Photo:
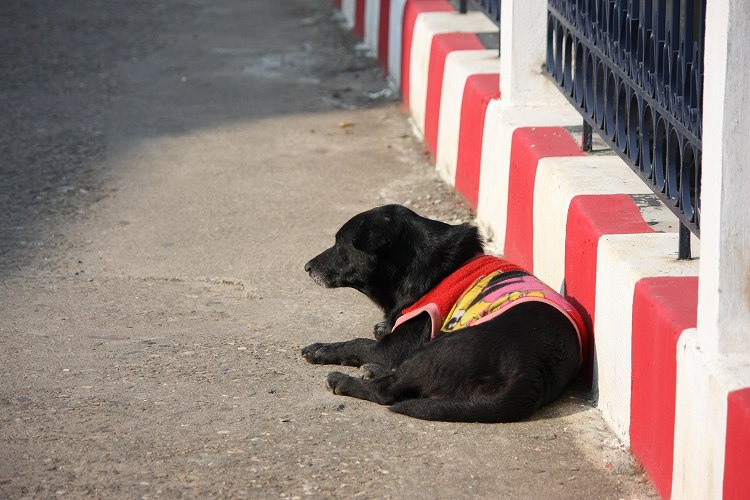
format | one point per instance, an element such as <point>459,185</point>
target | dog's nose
<point>308,267</point>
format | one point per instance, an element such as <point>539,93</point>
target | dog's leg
<point>379,390</point>
<point>354,352</point>
<point>389,352</point>
<point>516,401</point>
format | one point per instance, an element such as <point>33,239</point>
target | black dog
<point>500,368</point>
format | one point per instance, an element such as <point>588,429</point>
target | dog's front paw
<point>317,353</point>
<point>348,353</point>
<point>335,353</point>
<point>335,380</point>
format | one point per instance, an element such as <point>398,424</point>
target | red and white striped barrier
<point>663,307</point>
<point>460,65</point>
<point>427,25</point>
<point>584,224</point>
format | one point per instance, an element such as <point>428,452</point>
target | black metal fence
<point>634,69</point>
<point>490,7</point>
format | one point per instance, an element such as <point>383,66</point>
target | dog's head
<point>357,258</point>
<point>390,254</point>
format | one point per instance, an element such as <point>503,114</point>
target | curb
<point>586,225</point>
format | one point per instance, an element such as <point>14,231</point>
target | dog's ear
<point>372,239</point>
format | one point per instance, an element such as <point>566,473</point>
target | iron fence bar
<point>633,69</point>
<point>662,196</point>
<point>683,252</point>
<point>587,137</point>
<point>490,7</point>
<point>651,101</point>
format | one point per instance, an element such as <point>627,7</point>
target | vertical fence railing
<point>490,7</point>
<point>634,69</point>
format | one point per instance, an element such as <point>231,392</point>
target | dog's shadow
<point>576,399</point>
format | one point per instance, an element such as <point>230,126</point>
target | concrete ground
<point>165,171</point>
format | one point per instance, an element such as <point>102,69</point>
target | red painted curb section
<point>528,146</point>
<point>384,25</point>
<point>662,308</point>
<point>359,19</point>
<point>337,4</point>
<point>590,217</point>
<point>478,92</point>
<point>442,45</point>
<point>412,9</point>
<point>737,455</point>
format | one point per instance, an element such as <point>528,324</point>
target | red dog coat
<point>478,292</point>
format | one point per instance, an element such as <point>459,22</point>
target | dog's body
<point>494,371</point>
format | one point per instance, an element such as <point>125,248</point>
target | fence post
<point>587,137</point>
<point>713,361</point>
<point>724,290</point>
<point>523,35</point>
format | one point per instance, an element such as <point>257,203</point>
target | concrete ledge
<point>442,45</point>
<point>705,382</point>
<point>737,458</point>
<point>499,124</point>
<point>662,309</point>
<point>459,66</point>
<point>349,10</point>
<point>478,92</point>
<point>384,25</point>
<point>622,260</point>
<point>585,224</point>
<point>426,26</point>
<point>528,146</point>
<point>589,218</point>
<point>358,29</point>
<point>395,41</point>
<point>412,12</point>
<point>559,180</point>
<point>371,35</point>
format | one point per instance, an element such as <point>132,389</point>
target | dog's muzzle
<point>316,276</point>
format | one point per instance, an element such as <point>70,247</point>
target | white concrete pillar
<point>724,289</point>
<point>714,359</point>
<point>523,50</point>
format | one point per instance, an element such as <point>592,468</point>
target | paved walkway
<point>166,169</point>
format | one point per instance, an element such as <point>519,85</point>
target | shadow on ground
<point>87,80</point>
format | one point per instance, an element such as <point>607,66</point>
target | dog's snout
<point>308,267</point>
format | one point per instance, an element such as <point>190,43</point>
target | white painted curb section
<point>395,35</point>
<point>372,25</point>
<point>427,25</point>
<point>558,181</point>
<point>459,66</point>
<point>704,382</point>
<point>349,9</point>
<point>622,260</point>
<point>499,123</point>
